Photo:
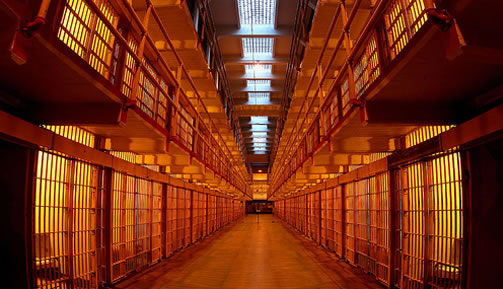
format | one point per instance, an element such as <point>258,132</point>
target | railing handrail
<point>311,81</point>
<point>361,41</point>
<point>165,70</point>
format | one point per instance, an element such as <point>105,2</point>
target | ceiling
<point>254,38</point>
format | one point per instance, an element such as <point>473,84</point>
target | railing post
<point>141,48</point>
<point>108,224</point>
<point>347,45</point>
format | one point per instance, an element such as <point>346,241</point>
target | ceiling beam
<point>257,31</point>
<point>257,110</point>
<point>256,88</point>
<point>257,75</point>
<point>262,59</point>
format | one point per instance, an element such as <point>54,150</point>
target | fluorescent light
<point>257,12</point>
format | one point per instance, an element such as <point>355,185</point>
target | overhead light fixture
<point>258,68</point>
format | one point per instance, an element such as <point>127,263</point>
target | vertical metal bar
<point>392,190</point>
<point>150,256</point>
<point>164,221</point>
<point>191,216</point>
<point>70,195</point>
<point>426,203</point>
<point>467,196</point>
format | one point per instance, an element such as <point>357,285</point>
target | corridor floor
<point>252,253</point>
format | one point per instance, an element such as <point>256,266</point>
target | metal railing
<point>302,27</point>
<point>206,31</point>
<point>362,66</point>
<point>127,56</point>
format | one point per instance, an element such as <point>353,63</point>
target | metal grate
<point>152,97</point>
<point>129,69</point>
<point>156,222</point>
<point>257,69</point>
<point>127,156</point>
<point>403,19</point>
<point>74,133</point>
<point>445,213</point>
<point>180,217</point>
<point>185,128</point>
<point>131,229</point>
<point>257,46</point>
<point>428,222</point>
<point>259,12</point>
<point>171,210</point>
<point>67,223</point>
<point>424,133</point>
<point>362,226</point>
<point>212,214</point>
<point>339,221</point>
<point>350,222</point>
<point>367,68</point>
<point>259,97</point>
<point>379,226</point>
<point>83,32</point>
<point>324,221</point>
<point>187,225</point>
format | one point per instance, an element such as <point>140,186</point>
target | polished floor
<point>255,252</point>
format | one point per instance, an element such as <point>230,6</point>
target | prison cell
<point>212,213</point>
<point>350,222</point>
<point>361,225</point>
<point>426,200</point>
<point>379,225</point>
<point>67,223</point>
<point>323,217</point>
<point>316,216</point>
<point>186,217</point>
<point>402,20</point>
<point>83,32</point>
<point>156,222</point>
<point>330,219</point>
<point>171,219</point>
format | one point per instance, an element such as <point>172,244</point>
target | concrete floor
<point>247,254</point>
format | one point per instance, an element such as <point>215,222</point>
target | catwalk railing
<point>403,224</point>
<point>205,28</point>
<point>114,41</point>
<point>387,31</point>
<point>300,38</point>
<point>93,225</point>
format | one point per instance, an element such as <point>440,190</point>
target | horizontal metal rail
<point>344,105</point>
<point>148,83</point>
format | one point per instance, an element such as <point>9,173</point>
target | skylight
<point>258,68</point>
<point>258,119</point>
<point>259,149</point>
<point>259,127</point>
<point>259,139</point>
<point>259,97</point>
<point>259,144</point>
<point>259,134</point>
<point>257,12</point>
<point>257,46</point>
<point>258,82</point>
